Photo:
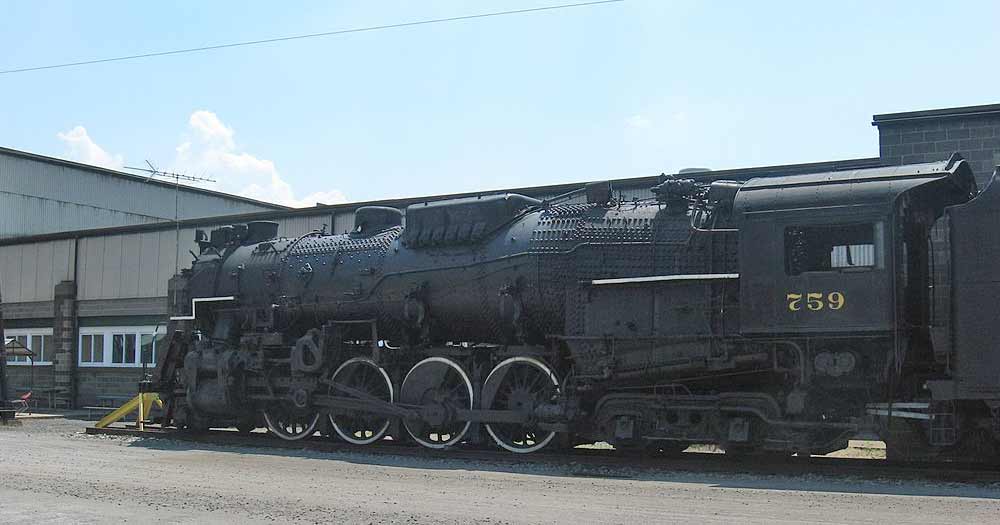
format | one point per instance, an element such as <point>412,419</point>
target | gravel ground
<point>52,473</point>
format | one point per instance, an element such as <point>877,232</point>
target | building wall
<point>131,265</point>
<point>928,136</point>
<point>30,271</point>
<point>23,378</point>
<point>103,386</point>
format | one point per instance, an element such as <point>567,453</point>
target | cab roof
<point>878,187</point>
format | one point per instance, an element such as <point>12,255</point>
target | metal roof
<point>937,114</point>
<point>134,178</point>
<point>871,186</point>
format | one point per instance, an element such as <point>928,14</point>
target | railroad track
<point>600,462</point>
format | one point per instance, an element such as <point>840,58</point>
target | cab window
<point>835,247</point>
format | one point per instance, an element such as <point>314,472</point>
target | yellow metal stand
<point>142,402</point>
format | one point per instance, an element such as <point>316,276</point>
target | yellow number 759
<point>815,301</point>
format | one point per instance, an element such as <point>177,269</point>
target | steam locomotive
<point>776,315</point>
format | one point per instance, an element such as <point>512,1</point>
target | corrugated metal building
<point>41,194</point>
<point>92,301</point>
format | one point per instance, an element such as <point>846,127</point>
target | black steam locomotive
<point>782,314</point>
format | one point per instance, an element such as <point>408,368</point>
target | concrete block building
<point>86,288</point>
<point>923,136</point>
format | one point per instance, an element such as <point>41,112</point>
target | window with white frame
<point>123,349</point>
<point>38,340</point>
<point>120,346</point>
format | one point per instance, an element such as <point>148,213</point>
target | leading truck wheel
<point>291,425</point>
<point>519,384</point>
<point>440,387</point>
<point>363,375</point>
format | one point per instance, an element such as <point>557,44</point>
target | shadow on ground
<point>693,468</point>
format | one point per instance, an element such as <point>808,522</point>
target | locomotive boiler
<point>783,314</point>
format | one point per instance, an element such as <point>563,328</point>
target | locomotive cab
<point>842,252</point>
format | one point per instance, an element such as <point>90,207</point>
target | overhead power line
<point>311,35</point>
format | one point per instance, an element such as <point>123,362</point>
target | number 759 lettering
<point>815,301</point>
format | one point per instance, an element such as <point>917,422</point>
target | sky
<point>616,90</point>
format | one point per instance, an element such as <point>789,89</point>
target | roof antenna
<point>153,171</point>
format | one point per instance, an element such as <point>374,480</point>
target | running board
<point>905,410</point>
<point>194,306</point>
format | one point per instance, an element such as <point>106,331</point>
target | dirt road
<point>51,473</point>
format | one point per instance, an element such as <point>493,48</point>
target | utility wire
<point>311,35</point>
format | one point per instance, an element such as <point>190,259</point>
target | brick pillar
<point>64,336</point>
<point>6,410</point>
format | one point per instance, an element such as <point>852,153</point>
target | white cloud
<point>82,148</point>
<point>211,151</point>
<point>277,190</point>
<point>211,130</point>
<point>638,122</point>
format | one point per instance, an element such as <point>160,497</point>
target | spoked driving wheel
<point>519,384</point>
<point>363,375</point>
<point>441,387</point>
<point>291,424</point>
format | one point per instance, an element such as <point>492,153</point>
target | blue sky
<point>618,90</point>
